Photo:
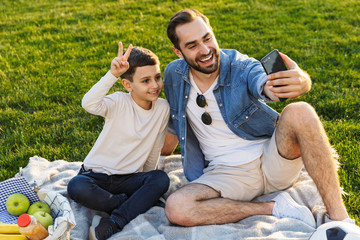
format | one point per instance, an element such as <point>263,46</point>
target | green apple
<point>17,204</point>
<point>44,218</point>
<point>38,206</point>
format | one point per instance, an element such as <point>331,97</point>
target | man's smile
<point>206,59</point>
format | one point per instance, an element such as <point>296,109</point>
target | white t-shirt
<point>132,137</point>
<point>217,142</point>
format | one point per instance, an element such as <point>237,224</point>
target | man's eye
<point>191,46</point>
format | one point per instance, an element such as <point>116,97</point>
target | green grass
<point>52,52</point>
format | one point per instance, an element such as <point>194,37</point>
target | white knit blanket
<point>153,224</point>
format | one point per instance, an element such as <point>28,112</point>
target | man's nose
<point>204,49</point>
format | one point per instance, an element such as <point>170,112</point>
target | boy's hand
<point>119,65</point>
<point>293,83</point>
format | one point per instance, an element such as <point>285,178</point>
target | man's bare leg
<point>197,204</point>
<point>300,132</point>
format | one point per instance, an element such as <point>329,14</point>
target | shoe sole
<point>94,224</point>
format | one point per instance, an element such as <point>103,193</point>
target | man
<point>234,147</point>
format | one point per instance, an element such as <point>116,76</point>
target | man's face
<point>198,46</point>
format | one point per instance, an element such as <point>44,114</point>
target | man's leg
<point>197,204</point>
<point>300,133</point>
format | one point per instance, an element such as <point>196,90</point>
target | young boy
<point>118,176</point>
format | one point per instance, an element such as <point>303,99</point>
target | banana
<point>9,228</point>
<point>12,237</point>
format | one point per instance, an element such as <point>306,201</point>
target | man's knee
<point>299,108</point>
<point>300,113</point>
<point>178,210</point>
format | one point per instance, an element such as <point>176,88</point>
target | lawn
<point>52,52</point>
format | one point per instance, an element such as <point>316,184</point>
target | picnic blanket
<point>153,224</point>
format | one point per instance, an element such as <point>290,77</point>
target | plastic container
<point>30,227</point>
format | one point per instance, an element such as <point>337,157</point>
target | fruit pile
<point>17,204</point>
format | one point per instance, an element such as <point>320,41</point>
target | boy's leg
<point>144,190</point>
<point>89,189</point>
<point>300,132</point>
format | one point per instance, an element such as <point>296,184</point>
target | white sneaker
<point>95,223</point>
<point>348,220</point>
<point>286,207</point>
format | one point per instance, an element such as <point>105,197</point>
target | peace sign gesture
<point>119,65</point>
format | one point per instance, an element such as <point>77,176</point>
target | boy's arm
<point>152,161</point>
<point>95,100</point>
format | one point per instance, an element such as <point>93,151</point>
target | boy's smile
<point>146,85</point>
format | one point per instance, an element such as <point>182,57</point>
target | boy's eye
<point>158,78</point>
<point>146,81</point>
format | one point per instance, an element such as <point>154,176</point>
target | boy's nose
<point>155,84</point>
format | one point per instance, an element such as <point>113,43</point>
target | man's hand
<point>119,65</point>
<point>295,81</point>
<point>170,143</point>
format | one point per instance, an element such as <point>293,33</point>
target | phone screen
<point>273,62</point>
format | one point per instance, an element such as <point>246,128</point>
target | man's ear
<point>177,52</point>
<point>127,84</point>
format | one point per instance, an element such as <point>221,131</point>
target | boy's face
<point>146,85</point>
<point>198,46</point>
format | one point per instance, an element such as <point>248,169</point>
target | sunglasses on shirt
<point>201,102</point>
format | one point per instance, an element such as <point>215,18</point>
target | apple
<point>44,218</point>
<point>38,206</point>
<point>17,204</point>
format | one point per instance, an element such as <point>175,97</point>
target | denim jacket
<point>240,99</point>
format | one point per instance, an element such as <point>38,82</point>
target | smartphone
<point>273,63</point>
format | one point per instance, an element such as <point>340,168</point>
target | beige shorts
<point>268,173</point>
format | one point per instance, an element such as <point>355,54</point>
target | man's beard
<point>207,70</point>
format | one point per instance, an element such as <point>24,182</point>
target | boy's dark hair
<point>182,17</point>
<point>139,57</point>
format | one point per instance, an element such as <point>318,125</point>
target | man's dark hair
<point>139,57</point>
<point>182,17</point>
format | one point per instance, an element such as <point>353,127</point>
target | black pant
<point>105,193</point>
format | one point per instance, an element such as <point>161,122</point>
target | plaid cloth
<point>61,212</point>
<point>10,186</point>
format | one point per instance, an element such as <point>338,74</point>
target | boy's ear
<point>127,84</point>
<point>177,52</point>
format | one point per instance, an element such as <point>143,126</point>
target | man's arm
<point>296,82</point>
<point>171,141</point>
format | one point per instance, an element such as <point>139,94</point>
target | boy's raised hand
<point>119,65</point>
